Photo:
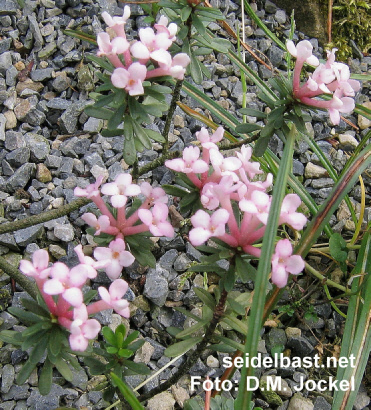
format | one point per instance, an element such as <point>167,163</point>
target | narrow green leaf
<point>191,330</point>
<point>130,154</point>
<point>24,316</point>
<point>154,135</point>
<point>185,13</point>
<point>142,135</point>
<point>127,393</point>
<point>205,297</point>
<point>138,368</point>
<point>109,335</point>
<point>25,372</point>
<point>46,378</point>
<point>102,62</point>
<point>102,113</point>
<point>63,369</point>
<point>174,190</point>
<point>117,117</point>
<point>252,113</point>
<point>11,336</point>
<point>245,128</point>
<point>182,347</point>
<point>34,307</point>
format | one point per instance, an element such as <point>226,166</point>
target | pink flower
<point>90,264</point>
<point>191,162</point>
<point>206,226</point>
<point>153,195</point>
<point>91,190</point>
<point>82,329</point>
<point>209,141</point>
<point>288,215</point>
<point>156,220</point>
<point>251,168</point>
<point>113,297</point>
<point>162,27</point>
<point>120,190</point>
<point>258,205</point>
<point>224,166</point>
<point>302,51</point>
<point>176,67</point>
<point>117,23</point>
<point>284,263</point>
<point>130,79</point>
<point>209,198</point>
<point>116,256</point>
<point>36,269</point>
<point>101,224</point>
<point>150,42</point>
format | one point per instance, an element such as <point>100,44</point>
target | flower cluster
<point>329,78</point>
<point>131,60</point>
<point>150,216</point>
<point>61,289</point>
<point>232,179</point>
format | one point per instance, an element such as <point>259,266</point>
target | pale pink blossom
<point>116,256</point>
<point>39,265</point>
<point>209,198</point>
<point>111,49</point>
<point>258,205</point>
<point>251,168</point>
<point>302,51</point>
<point>101,224</point>
<point>117,23</point>
<point>163,26</point>
<point>120,189</point>
<point>114,297</point>
<point>284,263</point>
<point>153,195</point>
<point>91,190</point>
<point>156,220</point>
<point>176,66</point>
<point>191,162</point>
<point>288,214</point>
<point>130,79</point>
<point>150,42</point>
<point>209,141</point>
<point>206,226</point>
<point>224,166</point>
<point>90,265</point>
<point>82,329</point>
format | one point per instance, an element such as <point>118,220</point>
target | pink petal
<point>181,59</point>
<point>73,296</point>
<point>177,164</point>
<point>201,219</point>
<point>118,201</point>
<point>123,312</point>
<point>219,217</point>
<point>199,166</point>
<point>114,269</point>
<point>27,268</point>
<point>90,219</point>
<point>120,78</point>
<point>104,295</point>
<point>283,248</point>
<point>126,259</point>
<point>53,287</point>
<point>90,328</point>
<point>118,288</point>
<point>137,71</point>
<point>198,236</point>
<point>78,343</point>
<point>166,229</point>
<point>145,215</point>
<point>280,277</point>
<point>101,253</point>
<point>110,189</point>
<point>140,51</point>
<point>295,264</point>
<point>291,48</point>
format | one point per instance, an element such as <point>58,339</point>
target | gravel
<point>48,146</point>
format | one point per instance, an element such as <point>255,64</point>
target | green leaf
<point>102,62</point>
<point>102,113</point>
<point>63,369</point>
<point>112,349</point>
<point>11,336</point>
<point>229,280</point>
<point>142,136</point>
<point>154,135</point>
<point>201,267</point>
<point>130,153</point>
<point>25,317</point>
<point>33,329</point>
<point>244,269</point>
<point>33,339</point>
<point>252,113</point>
<point>185,13</point>
<point>38,351</point>
<point>244,128</point>
<point>138,368</point>
<point>189,331</point>
<point>109,335</point>
<point>169,4</point>
<point>338,248</point>
<point>195,69</point>
<point>182,347</point>
<point>46,378</point>
<point>117,117</point>
<point>96,367</point>
<point>205,297</point>
<point>136,345</point>
<point>261,146</point>
<point>34,307</point>
<point>174,190</point>
<point>221,45</point>
<point>25,372</point>
<point>198,25</point>
<point>125,353</point>
<point>236,324</point>
<point>104,100</point>
<point>127,393</point>
<point>81,36</point>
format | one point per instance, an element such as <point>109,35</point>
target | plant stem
<point>175,98</point>
<point>218,313</point>
<point>19,277</point>
<point>322,278</point>
<point>44,217</point>
<point>264,268</point>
